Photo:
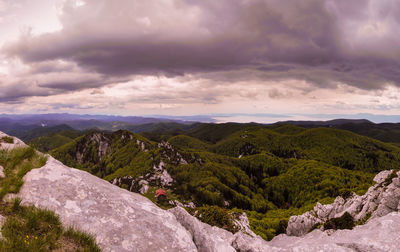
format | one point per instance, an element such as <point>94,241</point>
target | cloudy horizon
<point>187,57</point>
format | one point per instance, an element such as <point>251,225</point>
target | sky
<point>282,59</point>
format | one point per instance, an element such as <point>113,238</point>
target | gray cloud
<point>322,42</point>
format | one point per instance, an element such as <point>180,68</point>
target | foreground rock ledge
<point>120,220</point>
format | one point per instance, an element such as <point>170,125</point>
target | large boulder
<point>120,220</point>
<point>214,239</point>
<point>206,237</point>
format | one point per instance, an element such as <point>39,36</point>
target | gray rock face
<point>214,239</point>
<point>242,222</point>
<point>2,175</point>
<point>379,200</point>
<point>2,221</point>
<point>120,220</point>
<point>206,237</point>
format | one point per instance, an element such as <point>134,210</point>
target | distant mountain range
<point>29,126</point>
<point>19,124</point>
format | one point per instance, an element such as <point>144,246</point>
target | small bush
<point>215,216</point>
<point>282,227</point>
<point>16,205</point>
<point>389,178</point>
<point>7,139</point>
<point>345,193</point>
<point>364,220</point>
<point>345,221</point>
<point>315,226</point>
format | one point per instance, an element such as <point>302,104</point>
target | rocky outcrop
<point>214,239</point>
<point>379,200</point>
<point>379,234</point>
<point>15,144</point>
<point>158,176</point>
<point>120,220</point>
<point>206,237</point>
<point>242,222</point>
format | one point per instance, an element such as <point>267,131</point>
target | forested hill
<point>386,132</point>
<point>270,172</point>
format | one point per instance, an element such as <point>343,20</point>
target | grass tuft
<point>87,242</point>
<point>7,139</point>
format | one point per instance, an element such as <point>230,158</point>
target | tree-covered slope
<point>54,140</point>
<point>212,133</point>
<point>332,146</point>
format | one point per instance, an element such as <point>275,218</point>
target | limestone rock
<point>214,239</point>
<point>144,186</point>
<point>120,220</point>
<point>379,200</point>
<point>206,238</point>
<point>246,243</point>
<point>2,221</point>
<point>2,175</point>
<point>242,222</point>
<point>379,234</point>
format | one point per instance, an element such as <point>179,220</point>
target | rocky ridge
<point>380,200</point>
<point>158,176</point>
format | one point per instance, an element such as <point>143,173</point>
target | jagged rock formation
<point>158,176</point>
<point>379,200</point>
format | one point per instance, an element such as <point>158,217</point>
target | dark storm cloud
<point>317,41</point>
<point>48,84</point>
<point>14,93</point>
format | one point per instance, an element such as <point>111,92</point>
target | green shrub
<point>215,216</point>
<point>345,193</point>
<point>345,221</point>
<point>390,178</point>
<point>315,226</point>
<point>7,139</point>
<point>364,220</point>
